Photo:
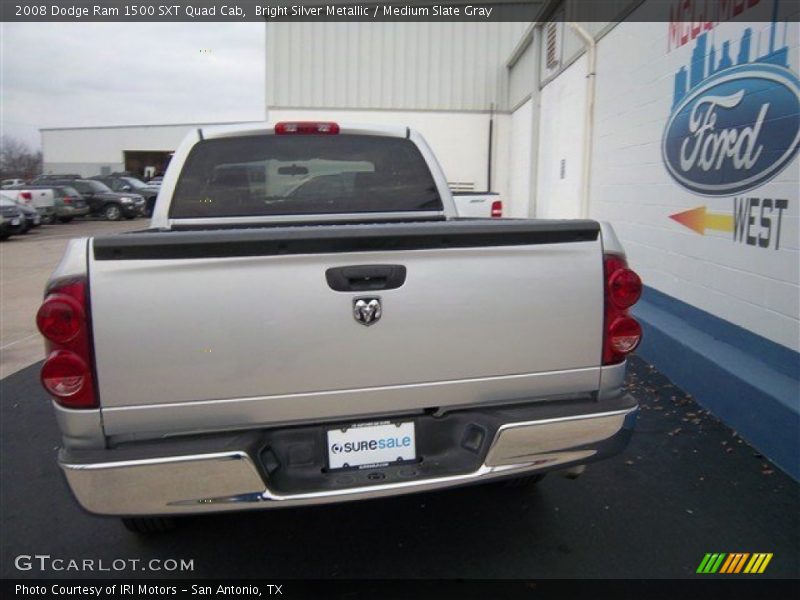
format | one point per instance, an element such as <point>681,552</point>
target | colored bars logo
<point>735,562</point>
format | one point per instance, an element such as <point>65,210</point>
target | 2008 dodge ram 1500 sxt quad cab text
<point>307,321</point>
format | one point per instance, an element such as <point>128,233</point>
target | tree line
<point>18,160</point>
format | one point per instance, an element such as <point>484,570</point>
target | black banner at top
<point>266,10</point>
<point>687,11</point>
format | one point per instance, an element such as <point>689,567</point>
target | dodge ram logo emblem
<point>367,311</point>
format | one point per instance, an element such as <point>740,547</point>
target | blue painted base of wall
<point>747,381</point>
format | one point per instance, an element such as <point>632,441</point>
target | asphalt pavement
<point>686,486</point>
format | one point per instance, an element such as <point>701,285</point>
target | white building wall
<point>750,286</point>
<point>86,150</point>
<point>520,162</point>
<point>561,135</point>
<point>522,139</point>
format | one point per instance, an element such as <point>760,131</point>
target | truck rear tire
<point>149,525</point>
<point>522,482</point>
<point>65,219</point>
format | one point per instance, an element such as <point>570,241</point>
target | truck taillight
<point>306,128</point>
<point>60,318</point>
<point>67,199</point>
<point>624,287</point>
<point>622,333</point>
<point>26,197</point>
<point>65,376</point>
<point>497,209</point>
<point>63,319</point>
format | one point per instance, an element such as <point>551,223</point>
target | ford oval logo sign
<point>735,131</point>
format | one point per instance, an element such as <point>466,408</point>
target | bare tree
<point>18,160</point>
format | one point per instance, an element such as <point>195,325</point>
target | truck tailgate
<point>198,331</point>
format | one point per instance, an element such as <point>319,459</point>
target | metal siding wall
<point>418,66</point>
<point>523,76</point>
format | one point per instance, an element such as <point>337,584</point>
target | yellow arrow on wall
<point>699,220</point>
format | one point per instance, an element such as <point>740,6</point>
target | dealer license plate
<point>368,445</point>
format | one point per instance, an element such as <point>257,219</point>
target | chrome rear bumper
<point>232,480</point>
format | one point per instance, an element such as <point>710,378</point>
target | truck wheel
<point>65,219</point>
<point>522,482</point>
<point>47,220</point>
<point>149,524</point>
<point>112,212</point>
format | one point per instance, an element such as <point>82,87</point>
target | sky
<point>92,74</point>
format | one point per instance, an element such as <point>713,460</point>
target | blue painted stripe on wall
<point>749,382</point>
<point>780,357</point>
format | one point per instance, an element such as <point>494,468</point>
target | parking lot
<point>687,485</point>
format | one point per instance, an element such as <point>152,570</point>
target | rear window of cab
<point>270,175</point>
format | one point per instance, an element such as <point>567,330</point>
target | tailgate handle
<point>360,278</point>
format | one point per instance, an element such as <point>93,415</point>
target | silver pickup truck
<point>307,321</point>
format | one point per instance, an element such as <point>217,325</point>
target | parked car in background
<point>13,221</point>
<point>69,203</point>
<point>127,183</point>
<point>103,201</point>
<point>31,217</point>
<point>39,197</point>
<point>478,204</point>
<point>155,181</point>
<point>11,182</point>
<point>51,177</point>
